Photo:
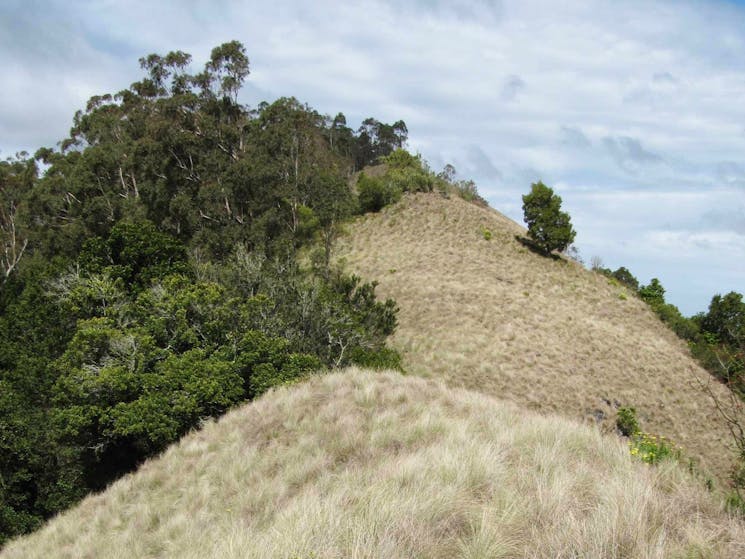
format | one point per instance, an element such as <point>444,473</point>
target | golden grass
<point>548,335</point>
<point>378,465</point>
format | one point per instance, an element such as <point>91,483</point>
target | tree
<point>653,294</point>
<point>377,139</point>
<point>16,178</point>
<point>125,319</point>
<point>548,227</point>
<point>623,275</point>
<point>726,318</point>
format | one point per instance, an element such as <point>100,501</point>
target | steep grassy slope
<point>359,464</point>
<point>549,335</point>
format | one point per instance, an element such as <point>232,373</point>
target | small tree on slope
<point>548,227</point>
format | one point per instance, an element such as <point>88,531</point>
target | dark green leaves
<point>149,278</point>
<point>548,227</point>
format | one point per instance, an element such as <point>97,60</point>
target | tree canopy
<point>548,227</point>
<point>150,278</point>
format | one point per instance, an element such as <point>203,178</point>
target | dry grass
<point>548,335</point>
<point>363,465</point>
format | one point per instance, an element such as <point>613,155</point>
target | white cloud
<point>629,153</point>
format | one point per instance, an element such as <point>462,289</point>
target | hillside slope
<point>360,464</point>
<point>548,335</point>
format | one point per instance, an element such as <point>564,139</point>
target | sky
<point>633,112</point>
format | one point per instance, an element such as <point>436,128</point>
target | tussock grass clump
<point>544,333</point>
<point>363,465</point>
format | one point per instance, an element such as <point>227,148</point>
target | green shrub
<point>379,359</point>
<point>402,159</point>
<point>292,368</point>
<point>467,190</point>
<point>487,234</point>
<point>652,449</point>
<point>627,422</point>
<point>376,193</point>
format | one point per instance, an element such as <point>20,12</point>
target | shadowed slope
<point>546,334</point>
<point>359,464</point>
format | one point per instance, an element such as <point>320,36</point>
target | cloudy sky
<point>633,111</point>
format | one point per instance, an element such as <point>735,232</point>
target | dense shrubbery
<point>404,172</point>
<point>375,193</point>
<point>150,279</point>
<point>626,421</point>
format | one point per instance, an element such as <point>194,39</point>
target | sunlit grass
<point>363,465</point>
<point>546,334</point>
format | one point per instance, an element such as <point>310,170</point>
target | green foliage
<point>16,179</point>
<point>467,190</point>
<point>726,319</point>
<point>380,359</point>
<point>621,276</point>
<point>376,193</point>
<point>548,227</point>
<point>139,254</point>
<point>624,276</point>
<point>295,367</point>
<point>684,327</point>
<point>487,234</point>
<point>652,449</point>
<point>149,278</point>
<point>408,172</point>
<point>405,172</point>
<point>626,421</point>
<point>446,183</point>
<point>377,139</point>
<point>653,294</point>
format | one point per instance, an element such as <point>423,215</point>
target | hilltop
<point>546,334</point>
<point>359,464</point>
<point>175,258</point>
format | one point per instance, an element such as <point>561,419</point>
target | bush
<point>624,276</point>
<point>379,359</point>
<point>627,422</point>
<point>376,193</point>
<point>294,367</point>
<point>653,294</point>
<point>652,449</point>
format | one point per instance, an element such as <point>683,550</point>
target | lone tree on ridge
<point>548,227</point>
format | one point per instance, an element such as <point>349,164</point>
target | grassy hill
<point>360,464</point>
<point>455,464</point>
<point>492,316</point>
